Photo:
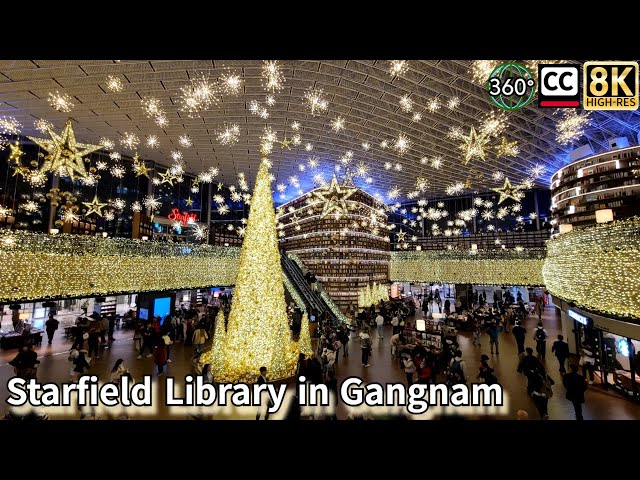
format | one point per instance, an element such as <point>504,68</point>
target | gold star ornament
<point>94,206</point>
<point>285,144</point>
<point>508,191</point>
<point>334,198</point>
<point>474,146</point>
<point>139,167</point>
<point>65,154</point>
<point>167,178</point>
<point>188,202</point>
<point>401,236</point>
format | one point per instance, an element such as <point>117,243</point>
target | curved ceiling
<point>363,92</point>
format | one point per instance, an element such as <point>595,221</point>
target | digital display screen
<point>143,314</point>
<point>162,307</point>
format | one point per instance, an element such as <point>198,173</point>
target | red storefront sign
<point>183,218</point>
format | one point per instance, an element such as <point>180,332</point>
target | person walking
<point>539,308</point>
<point>147,342</point>
<point>541,392</point>
<point>380,325</point>
<point>395,323</point>
<point>262,379</point>
<point>160,356</point>
<point>477,331</point>
<point>561,350</point>
<point>519,332</point>
<point>576,386</point>
<point>494,336</point>
<point>94,343</point>
<point>365,345</point>
<point>118,371</point>
<point>540,335</point>
<point>529,365</point>
<point>112,327</point>
<point>486,372</point>
<point>200,336</point>
<point>456,369</point>
<point>51,326</point>
<point>588,362</point>
<point>80,365</point>
<point>409,369</point>
<point>25,362</point>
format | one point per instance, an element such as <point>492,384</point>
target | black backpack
<point>540,335</point>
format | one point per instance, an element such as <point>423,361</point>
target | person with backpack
<point>576,386</point>
<point>486,372</point>
<point>528,366</point>
<point>519,332</point>
<point>540,335</point>
<point>541,392</point>
<point>561,350</point>
<point>456,369</point>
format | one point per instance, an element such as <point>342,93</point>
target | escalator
<point>312,300</point>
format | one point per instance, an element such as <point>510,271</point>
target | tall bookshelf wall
<point>343,257</point>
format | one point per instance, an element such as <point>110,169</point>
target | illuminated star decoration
<point>167,177</point>
<point>334,198</point>
<point>139,167</point>
<point>188,202</point>
<point>285,144</point>
<point>347,178</point>
<point>94,206</point>
<point>507,149</point>
<point>16,153</point>
<point>65,154</point>
<point>508,191</point>
<point>401,236</point>
<point>474,146</point>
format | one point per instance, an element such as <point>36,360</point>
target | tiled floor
<point>599,404</point>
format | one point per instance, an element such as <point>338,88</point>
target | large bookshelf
<point>605,181</point>
<point>343,257</point>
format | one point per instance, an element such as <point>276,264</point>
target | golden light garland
<point>372,294</point>
<point>499,267</point>
<point>56,266</point>
<point>597,267</point>
<point>258,330</point>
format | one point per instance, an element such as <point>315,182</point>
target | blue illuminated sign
<point>579,318</point>
<point>622,346</point>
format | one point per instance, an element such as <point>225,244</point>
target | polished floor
<point>600,404</point>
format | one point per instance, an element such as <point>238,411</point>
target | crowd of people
<point>419,361</point>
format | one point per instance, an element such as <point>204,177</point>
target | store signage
<point>579,318</point>
<point>183,218</point>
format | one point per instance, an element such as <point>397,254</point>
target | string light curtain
<point>486,267</point>
<point>597,267</point>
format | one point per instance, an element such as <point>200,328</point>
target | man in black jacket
<point>519,332</point>
<point>51,326</point>
<point>561,349</point>
<point>529,365</point>
<point>576,386</point>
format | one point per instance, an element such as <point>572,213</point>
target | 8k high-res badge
<point>610,86</point>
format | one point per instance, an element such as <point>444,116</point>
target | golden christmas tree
<point>304,342</point>
<point>258,328</point>
<point>215,356</point>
